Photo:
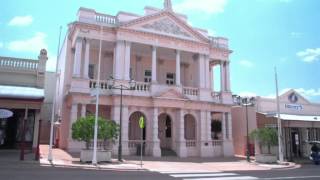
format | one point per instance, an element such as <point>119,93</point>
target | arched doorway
<point>134,129</point>
<point>165,134</point>
<point>189,127</point>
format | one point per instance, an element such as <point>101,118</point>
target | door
<point>165,131</point>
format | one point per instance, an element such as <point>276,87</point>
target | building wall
<point>239,127</point>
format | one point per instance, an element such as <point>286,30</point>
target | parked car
<point>315,154</point>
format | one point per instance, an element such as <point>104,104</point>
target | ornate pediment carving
<point>167,26</point>
<point>171,94</point>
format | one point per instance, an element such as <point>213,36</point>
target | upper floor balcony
<point>154,69</point>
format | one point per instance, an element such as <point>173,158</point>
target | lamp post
<point>121,86</point>
<point>246,101</point>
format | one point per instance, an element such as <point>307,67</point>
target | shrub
<point>265,137</point>
<point>83,129</point>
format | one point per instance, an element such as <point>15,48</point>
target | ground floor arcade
<point>183,129</point>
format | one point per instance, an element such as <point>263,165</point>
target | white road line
<point>203,175</point>
<point>227,178</point>
<point>186,172</point>
<point>296,177</point>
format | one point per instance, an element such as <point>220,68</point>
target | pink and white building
<point>172,64</point>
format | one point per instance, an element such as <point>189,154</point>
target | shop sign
<point>4,113</point>
<point>297,107</point>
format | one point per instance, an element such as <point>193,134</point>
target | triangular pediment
<point>171,94</point>
<point>165,23</point>
<point>293,97</point>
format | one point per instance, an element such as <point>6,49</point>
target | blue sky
<point>262,34</point>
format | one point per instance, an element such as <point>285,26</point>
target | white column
<point>222,76</point>
<point>228,76</point>
<point>125,130</point>
<point>212,78</point>
<point>118,60</point>
<point>182,150</point>
<point>73,117</point>
<point>127,60</point>
<point>201,71</point>
<point>86,60</point>
<point>207,71</point>
<point>83,110</point>
<point>178,83</point>
<point>230,126</point>
<point>202,127</point>
<point>154,64</point>
<point>224,133</point>
<point>156,151</point>
<point>77,58</point>
<point>115,116</point>
<point>208,126</point>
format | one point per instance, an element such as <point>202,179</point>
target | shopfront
<point>300,122</point>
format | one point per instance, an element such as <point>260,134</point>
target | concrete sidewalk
<point>163,164</point>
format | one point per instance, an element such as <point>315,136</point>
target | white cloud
<point>247,94</point>
<point>295,34</point>
<point>307,93</point>
<point>1,44</point>
<point>212,32</point>
<point>309,55</point>
<point>33,44</point>
<point>246,63</point>
<point>203,6</point>
<point>21,21</point>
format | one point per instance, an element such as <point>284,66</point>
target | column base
<point>228,149</point>
<point>182,150</point>
<point>206,150</point>
<point>156,151</point>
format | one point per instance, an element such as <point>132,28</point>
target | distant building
<point>172,64</point>
<point>300,121</point>
<point>22,96</point>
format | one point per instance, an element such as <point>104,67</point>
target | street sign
<point>141,122</point>
<point>4,113</point>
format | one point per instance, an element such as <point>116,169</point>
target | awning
<point>291,117</point>
<point>19,92</point>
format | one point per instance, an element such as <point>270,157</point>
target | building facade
<point>300,122</point>
<point>21,100</point>
<point>172,64</point>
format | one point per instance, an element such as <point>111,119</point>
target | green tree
<point>83,129</point>
<point>265,137</point>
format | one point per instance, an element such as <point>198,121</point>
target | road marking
<point>186,172</point>
<point>227,178</point>
<point>296,177</point>
<point>203,175</point>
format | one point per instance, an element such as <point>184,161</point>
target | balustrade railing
<point>219,42</point>
<point>142,86</point>
<point>18,64</point>
<point>103,84</point>
<point>139,86</point>
<point>104,18</point>
<point>190,91</point>
<point>216,96</point>
<point>217,143</point>
<point>190,143</point>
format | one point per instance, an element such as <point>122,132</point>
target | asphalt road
<point>25,171</point>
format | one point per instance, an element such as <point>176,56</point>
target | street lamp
<point>121,86</point>
<point>246,101</point>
